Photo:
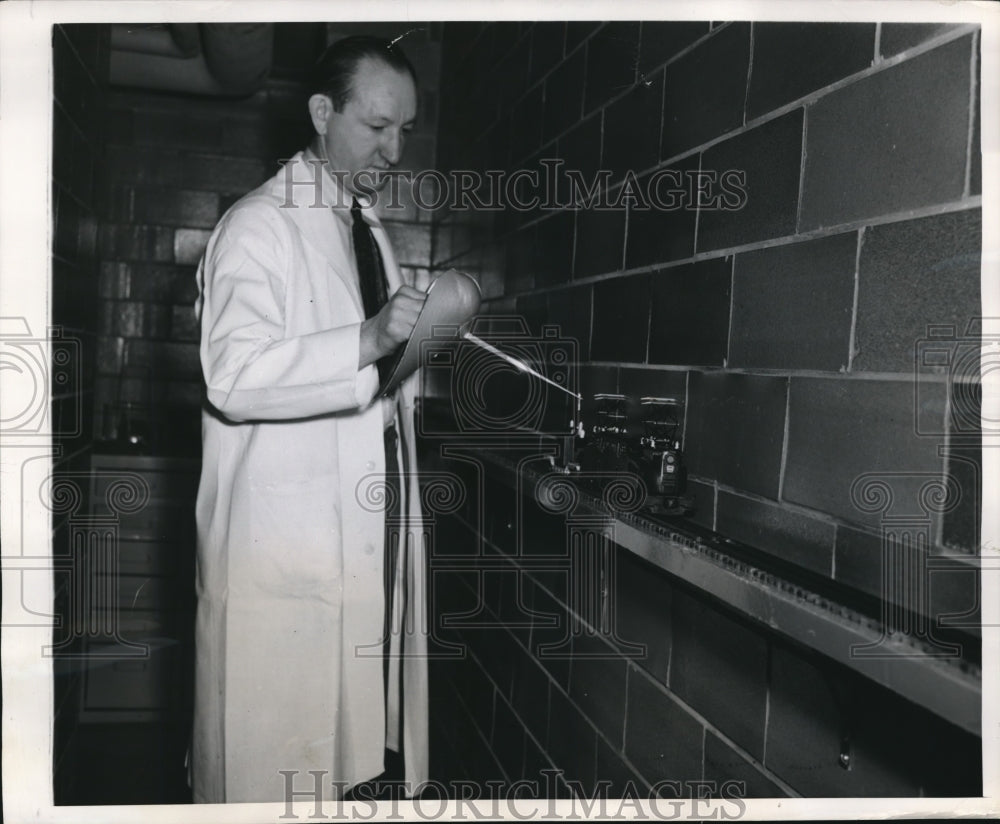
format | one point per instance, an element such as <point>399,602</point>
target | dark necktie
<point>371,274</point>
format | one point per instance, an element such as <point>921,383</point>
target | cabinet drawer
<point>142,592</point>
<point>149,557</point>
<point>118,680</point>
<point>159,523</point>
<point>163,485</point>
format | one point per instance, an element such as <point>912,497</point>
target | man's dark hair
<point>333,74</point>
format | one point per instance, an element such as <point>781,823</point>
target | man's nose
<point>392,146</point>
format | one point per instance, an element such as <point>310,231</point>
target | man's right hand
<point>393,325</point>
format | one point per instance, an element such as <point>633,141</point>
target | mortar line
<point>973,72</point>
<point>852,338</point>
<point>802,169</point>
<point>746,93</point>
<point>784,438</point>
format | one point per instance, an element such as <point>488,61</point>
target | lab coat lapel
<point>311,210</point>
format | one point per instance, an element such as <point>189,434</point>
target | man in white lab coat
<point>291,562</point>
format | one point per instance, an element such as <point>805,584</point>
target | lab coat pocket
<point>296,539</point>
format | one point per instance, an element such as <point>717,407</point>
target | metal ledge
<point>949,688</point>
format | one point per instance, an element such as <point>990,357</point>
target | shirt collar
<point>336,196</point>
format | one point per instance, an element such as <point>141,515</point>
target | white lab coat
<point>290,613</point>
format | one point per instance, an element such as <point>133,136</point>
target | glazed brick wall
<point>680,690</point>
<point>791,327</point>
<point>175,165</point>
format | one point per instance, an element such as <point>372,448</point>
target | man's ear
<point>320,109</point>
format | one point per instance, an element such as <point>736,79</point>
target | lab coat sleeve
<point>254,369</point>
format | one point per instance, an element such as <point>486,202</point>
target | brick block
<point>572,742</point>
<point>110,355</point>
<point>507,741</point>
<point>841,429</point>
<point>162,283</point>
<point>793,59</point>
<point>114,280</point>
<point>662,739</point>
<point>719,667</point>
<point>641,610</point>
<point>814,706</point>
<point>530,697</point>
<point>189,245</point>
<point>616,776</point>
<point>690,313</point>
<point>132,319</point>
<point>661,40</point>
<point>600,241</point>
<point>176,207</point>
<point>860,564</point>
<point>735,428</point>
<point>510,77</point>
<point>477,693</point>
<point>550,633</point>
<point>961,526</point>
<point>411,242</point>
<point>621,319</point>
<point>859,166</point>
<point>611,62</point>
<point>580,149</point>
<point>164,359</point>
<point>898,37</point>
<point>789,536</point>
<point>579,30</point>
<point>770,157</point>
<point>705,90</point>
<point>150,166</point>
<point>570,311</point>
<point>244,138</point>
<point>597,685</point>
<point>520,261</point>
<point>167,129</point>
<point>184,324</point>
<point>665,231</point>
<point>792,305</point>
<point>225,175</point>
<point>526,125</point>
<point>911,275</point>
<point>727,766</point>
<point>150,244</point>
<point>554,238</point>
<point>704,496</point>
<point>632,129</point>
<point>547,41</point>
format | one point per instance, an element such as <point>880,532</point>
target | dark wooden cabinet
<point>123,644</point>
<point>137,567</point>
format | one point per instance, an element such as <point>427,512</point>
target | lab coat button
<point>369,549</point>
<point>370,465</point>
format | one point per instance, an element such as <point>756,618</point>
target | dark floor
<point>124,763</point>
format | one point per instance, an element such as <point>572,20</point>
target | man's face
<point>368,135</point>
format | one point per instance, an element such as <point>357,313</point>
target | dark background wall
<point>789,328</point>
<point>175,164</point>
<point>80,59</point>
